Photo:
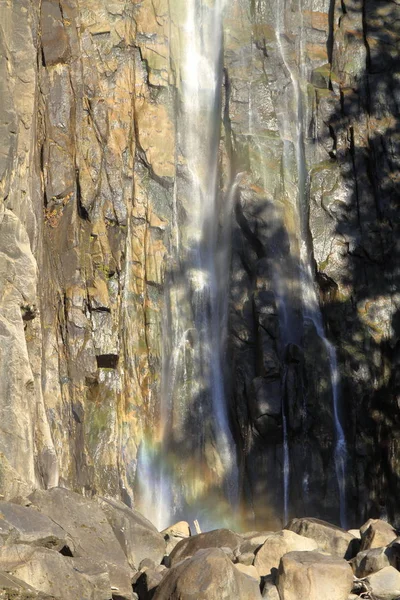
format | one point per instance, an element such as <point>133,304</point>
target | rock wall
<point>88,164</point>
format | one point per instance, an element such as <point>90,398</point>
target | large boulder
<point>208,575</point>
<point>370,561</point>
<point>376,533</point>
<point>138,537</point>
<point>19,524</point>
<point>175,533</point>
<point>331,539</point>
<point>276,545</point>
<point>52,573</point>
<point>90,531</point>
<point>385,584</point>
<point>312,576</point>
<point>219,538</point>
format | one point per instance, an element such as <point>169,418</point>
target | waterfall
<point>311,308</point>
<point>194,421</point>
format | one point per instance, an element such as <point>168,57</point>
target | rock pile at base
<point>58,545</point>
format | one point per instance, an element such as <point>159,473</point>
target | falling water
<point>311,308</point>
<point>193,413</point>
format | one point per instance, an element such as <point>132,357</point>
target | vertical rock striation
<point>90,162</point>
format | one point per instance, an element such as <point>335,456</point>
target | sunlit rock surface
<point>90,161</point>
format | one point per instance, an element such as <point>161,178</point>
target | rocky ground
<point>57,544</point>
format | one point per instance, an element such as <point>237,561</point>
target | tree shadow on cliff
<point>278,382</point>
<point>364,128</point>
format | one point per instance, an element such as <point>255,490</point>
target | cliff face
<point>90,164</point>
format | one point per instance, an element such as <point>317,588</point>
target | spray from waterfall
<point>196,457</point>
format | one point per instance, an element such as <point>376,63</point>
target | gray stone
<point>90,531</point>
<point>208,575</point>
<point>138,537</point>
<point>385,584</point>
<point>19,524</point>
<point>277,545</point>
<point>51,573</point>
<point>370,561</point>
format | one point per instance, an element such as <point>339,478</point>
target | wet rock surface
<point>89,161</point>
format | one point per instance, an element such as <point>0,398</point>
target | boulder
<point>12,588</point>
<point>355,532</point>
<point>219,538</point>
<point>312,576</point>
<point>370,561</point>
<point>253,543</point>
<point>276,545</point>
<point>138,537</point>
<point>208,575</point>
<point>385,584</point>
<point>331,539</point>
<point>54,574</point>
<point>248,570</point>
<point>174,534</point>
<point>19,524</point>
<point>376,533</point>
<point>247,558</point>
<point>90,531</point>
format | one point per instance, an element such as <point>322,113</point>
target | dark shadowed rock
<point>138,537</point>
<point>270,591</point>
<point>331,539</point>
<point>145,583</point>
<point>91,533</point>
<point>51,573</point>
<point>219,538</point>
<point>19,524</point>
<point>312,576</point>
<point>208,575</point>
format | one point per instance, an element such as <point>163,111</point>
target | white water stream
<point>193,414</point>
<point>311,308</point>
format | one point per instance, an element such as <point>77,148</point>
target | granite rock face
<point>89,155</point>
